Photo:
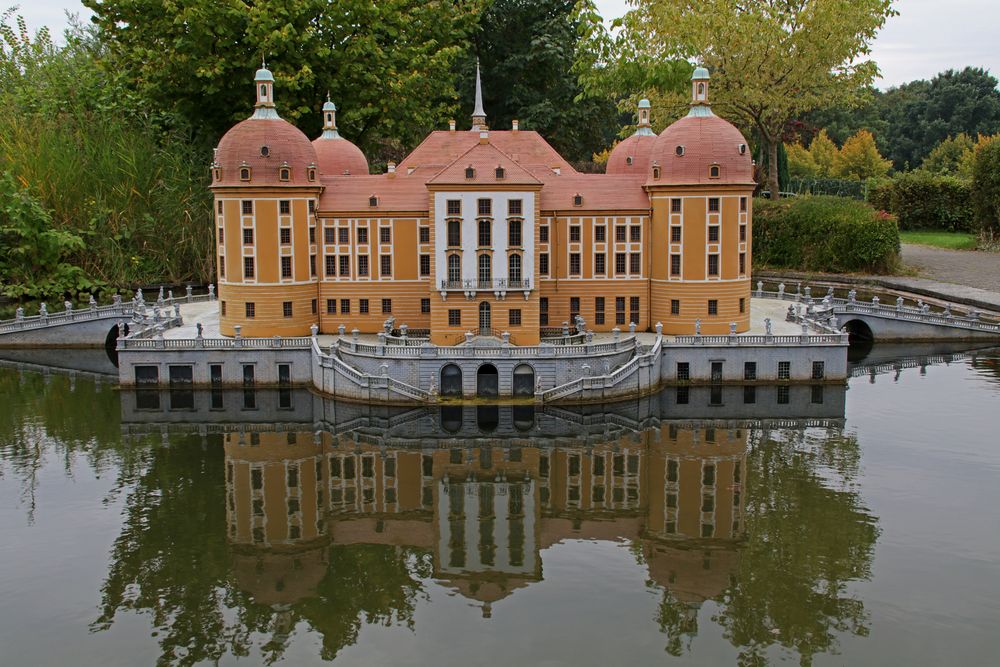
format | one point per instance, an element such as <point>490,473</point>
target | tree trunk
<point>772,167</point>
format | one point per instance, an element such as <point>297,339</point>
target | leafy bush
<point>986,187</point>
<point>922,200</point>
<point>837,187</point>
<point>822,233</point>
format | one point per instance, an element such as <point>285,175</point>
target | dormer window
<point>500,173</point>
<point>577,200</point>
<point>743,149</point>
<point>679,150</point>
<point>217,174</point>
<point>265,151</point>
<point>656,172</point>
<point>312,173</point>
<point>284,174</point>
<point>628,160</point>
<point>470,172</point>
<point>713,171</point>
<point>373,201</point>
<point>245,172</point>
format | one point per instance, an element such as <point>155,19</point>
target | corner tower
<point>265,180</point>
<point>700,184</point>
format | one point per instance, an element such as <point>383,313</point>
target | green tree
<point>986,186</point>
<point>824,153</point>
<point>815,54</point>
<point>388,64</point>
<point>859,158</point>
<point>800,162</point>
<point>526,49</point>
<point>949,156</point>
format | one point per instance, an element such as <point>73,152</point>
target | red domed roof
<point>707,140</point>
<point>338,155</point>
<point>265,145</point>
<point>638,147</point>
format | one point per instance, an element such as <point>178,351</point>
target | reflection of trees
<point>807,537</point>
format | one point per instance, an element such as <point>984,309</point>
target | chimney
<point>451,125</point>
<point>484,137</point>
<point>514,125</point>
<point>392,168</point>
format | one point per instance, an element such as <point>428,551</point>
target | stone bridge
<point>91,326</point>
<point>874,321</point>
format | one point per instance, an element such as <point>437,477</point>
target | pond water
<point>823,525</point>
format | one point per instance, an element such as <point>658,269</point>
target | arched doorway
<point>858,331</point>
<point>487,417</point>
<point>487,381</point>
<point>524,381</point>
<point>451,418</point>
<point>451,381</point>
<point>485,319</point>
<point>111,343</point>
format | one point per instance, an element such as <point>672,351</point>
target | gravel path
<point>961,267</point>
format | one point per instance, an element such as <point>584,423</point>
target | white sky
<point>927,37</point>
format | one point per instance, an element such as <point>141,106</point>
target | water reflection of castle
<point>486,512</point>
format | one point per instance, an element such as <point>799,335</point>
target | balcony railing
<point>470,284</point>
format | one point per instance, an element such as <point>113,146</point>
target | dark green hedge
<point>922,200</point>
<point>840,187</point>
<point>822,233</point>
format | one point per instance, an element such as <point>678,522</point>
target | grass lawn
<point>939,239</point>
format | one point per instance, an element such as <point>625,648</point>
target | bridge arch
<point>859,331</point>
<point>111,342</point>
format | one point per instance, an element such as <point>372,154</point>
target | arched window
<point>713,171</point>
<point>263,92</point>
<point>373,201</point>
<point>451,381</point>
<point>485,270</point>
<point>524,380</point>
<point>470,172</point>
<point>485,322</point>
<point>312,174</point>
<point>329,118</point>
<point>285,174</point>
<point>701,91</point>
<point>514,270</point>
<point>244,173</point>
<point>500,173</point>
<point>485,233</point>
<point>454,269</point>
<point>656,173</point>
<point>577,200</point>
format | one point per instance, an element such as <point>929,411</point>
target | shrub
<point>986,186</point>
<point>837,187</point>
<point>922,200</point>
<point>822,233</point>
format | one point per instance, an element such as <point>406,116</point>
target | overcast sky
<point>927,37</point>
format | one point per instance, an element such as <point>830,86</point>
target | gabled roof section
<point>526,147</point>
<point>485,159</point>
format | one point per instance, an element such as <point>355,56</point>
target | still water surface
<point>818,525</point>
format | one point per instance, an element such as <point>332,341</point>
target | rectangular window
<point>675,234</point>
<point>312,235</point>
<point>286,267</point>
<point>675,265</point>
<point>345,265</point>
<point>485,233</point>
<point>247,236</point>
<point>543,234</point>
<point>284,207</point>
<point>331,265</point>
<point>248,375</point>
<point>543,263</point>
<point>743,305</point>
<point>749,394</point>
<point>454,233</point>
<point>286,308</point>
<point>425,306</point>
<point>574,233</point>
<point>514,317</point>
<point>619,263</point>
<point>713,204</point>
<point>331,306</point>
<point>387,306</point>
<point>743,233</point>
<point>713,265</point>
<point>675,306</point>
<point>454,207</point>
<point>713,307</point>
<point>312,265</point>
<point>285,235</point>
<point>598,310</point>
<point>248,267</point>
<point>285,377</point>
<point>222,305</point>
<point>215,374</point>
<point>222,266</point>
<point>425,265</point>
<point>750,370</point>
<point>220,206</point>
<point>514,233</point>
<point>222,235</point>
<point>454,317</point>
<point>819,370</point>
<point>635,263</point>
<point>543,311</point>
<point>345,306</point>
<point>635,233</point>
<point>574,308</point>
<point>600,233</point>
<point>247,206</point>
<point>619,310</point>
<point>784,370</point>
<point>385,234</point>
<point>574,264</point>
<point>425,234</point>
<point>675,205</point>
<point>514,207</point>
<point>329,235</point>
<point>620,233</point>
<point>743,203</point>
<point>363,265</point>
<point>362,235</point>
<point>484,207</point>
<point>251,310</point>
<point>783,394</point>
<point>633,309</point>
<point>713,233</point>
<point>599,267</point>
<point>343,235</point>
<point>385,265</point>
<point>312,206</point>
<point>363,306</point>
<point>683,370</point>
<point>743,262</point>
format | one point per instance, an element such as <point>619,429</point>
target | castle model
<point>483,231</point>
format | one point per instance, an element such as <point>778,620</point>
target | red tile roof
<point>484,159</point>
<point>525,147</point>
<point>339,155</point>
<point>638,147</point>
<point>285,143</point>
<point>707,140</point>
